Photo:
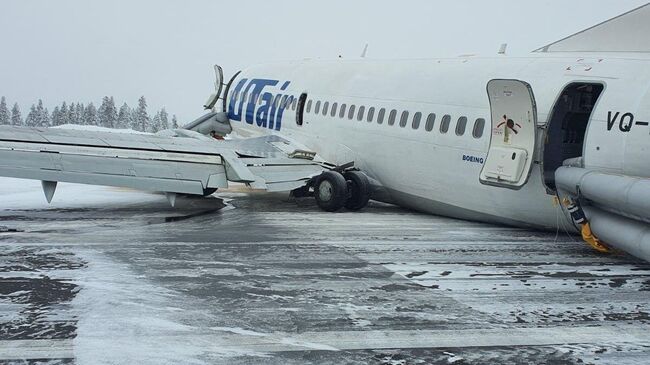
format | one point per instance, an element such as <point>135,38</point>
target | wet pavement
<point>105,276</point>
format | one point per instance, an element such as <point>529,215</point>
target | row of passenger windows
<point>391,117</point>
<point>372,114</point>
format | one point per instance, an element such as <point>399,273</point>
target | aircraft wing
<point>177,161</point>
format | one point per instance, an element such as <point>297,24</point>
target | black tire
<point>359,190</point>
<point>209,191</point>
<point>331,191</point>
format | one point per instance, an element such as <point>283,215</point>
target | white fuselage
<point>438,172</point>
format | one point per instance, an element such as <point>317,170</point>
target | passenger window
<point>461,126</point>
<point>317,108</point>
<point>444,125</point>
<point>362,111</point>
<point>392,116</point>
<point>381,115</point>
<point>351,112</point>
<point>479,125</point>
<point>308,110</point>
<point>326,107</point>
<point>431,120</point>
<point>334,107</point>
<point>371,114</point>
<point>342,112</point>
<point>300,115</point>
<point>417,118</point>
<point>404,119</point>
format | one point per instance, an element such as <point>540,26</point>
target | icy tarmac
<point>110,276</point>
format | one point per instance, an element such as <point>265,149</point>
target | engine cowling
<point>216,122</point>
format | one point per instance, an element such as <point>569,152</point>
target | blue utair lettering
<point>234,111</point>
<point>475,159</point>
<point>243,106</point>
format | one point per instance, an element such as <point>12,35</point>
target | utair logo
<point>255,105</point>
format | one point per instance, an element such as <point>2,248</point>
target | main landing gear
<point>334,190</point>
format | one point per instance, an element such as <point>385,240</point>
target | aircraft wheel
<point>359,190</point>
<point>331,191</point>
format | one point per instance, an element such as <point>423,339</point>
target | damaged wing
<point>175,161</point>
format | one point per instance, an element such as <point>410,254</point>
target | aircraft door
<point>512,142</point>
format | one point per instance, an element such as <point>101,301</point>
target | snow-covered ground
<point>16,194</point>
<point>114,276</point>
<point>98,129</point>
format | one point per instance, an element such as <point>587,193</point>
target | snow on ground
<point>18,194</point>
<point>115,276</point>
<point>94,128</point>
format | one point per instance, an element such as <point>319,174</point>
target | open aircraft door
<point>512,143</point>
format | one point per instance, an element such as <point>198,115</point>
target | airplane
<point>556,139</point>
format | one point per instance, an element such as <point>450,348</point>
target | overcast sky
<point>81,50</point>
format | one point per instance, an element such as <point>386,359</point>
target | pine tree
<point>42,116</point>
<point>133,120</point>
<point>39,118</point>
<point>56,116</point>
<point>77,117</point>
<point>174,122</point>
<point>164,119</point>
<point>46,120</point>
<point>90,115</point>
<point>112,112</point>
<point>124,117</point>
<point>107,113</point>
<point>32,117</point>
<point>155,123</point>
<point>141,116</point>
<point>64,117</point>
<point>5,118</point>
<point>16,117</point>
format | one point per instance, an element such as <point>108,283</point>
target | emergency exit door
<point>512,143</point>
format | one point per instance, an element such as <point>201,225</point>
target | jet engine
<point>211,123</point>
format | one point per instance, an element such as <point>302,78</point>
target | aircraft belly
<point>541,218</point>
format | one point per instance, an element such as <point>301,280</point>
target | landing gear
<point>359,190</point>
<point>331,191</point>
<point>334,190</point>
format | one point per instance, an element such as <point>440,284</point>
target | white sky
<point>80,50</point>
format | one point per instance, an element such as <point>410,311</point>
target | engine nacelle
<point>216,122</point>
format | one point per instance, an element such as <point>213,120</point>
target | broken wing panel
<point>282,174</point>
<point>185,162</point>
